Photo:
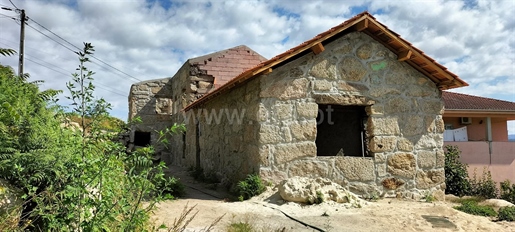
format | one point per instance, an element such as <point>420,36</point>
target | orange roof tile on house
<point>363,22</point>
<point>459,101</point>
<point>227,64</point>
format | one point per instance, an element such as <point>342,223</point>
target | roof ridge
<point>475,96</point>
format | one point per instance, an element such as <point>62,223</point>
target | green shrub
<point>169,187</point>
<point>471,207</point>
<point>508,191</point>
<point>240,227</point>
<point>456,176</point>
<point>484,187</point>
<point>507,213</point>
<point>251,186</point>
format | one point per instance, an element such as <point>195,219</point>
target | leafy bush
<point>456,176</point>
<point>169,187</point>
<point>471,207</point>
<point>507,213</point>
<point>72,180</point>
<point>251,186</point>
<point>484,187</point>
<point>508,191</point>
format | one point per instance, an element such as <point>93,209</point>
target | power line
<point>99,85</point>
<point>13,4</point>
<point>101,61</point>
<point>51,38</point>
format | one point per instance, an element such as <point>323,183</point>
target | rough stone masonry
<point>277,135</point>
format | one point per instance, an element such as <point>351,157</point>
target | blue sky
<point>152,39</point>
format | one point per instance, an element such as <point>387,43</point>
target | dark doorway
<point>141,139</point>
<point>341,130</point>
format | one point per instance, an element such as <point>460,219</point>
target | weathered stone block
<point>341,99</point>
<point>264,155</point>
<point>284,153</point>
<point>426,159</point>
<point>322,85</point>
<point>392,183</point>
<point>304,130</point>
<point>376,110</point>
<point>380,158</point>
<point>283,111</point>
<point>382,144</point>
<point>352,69</point>
<point>417,91</point>
<point>269,134</point>
<point>273,176</point>
<point>439,124</point>
<point>382,91</point>
<point>285,89</point>
<point>402,164</point>
<point>204,85</point>
<point>429,141</point>
<point>356,168</point>
<point>398,105</point>
<point>287,134</point>
<point>308,168</point>
<point>364,52</point>
<point>262,113</point>
<point>323,68</point>
<point>430,178</point>
<point>362,189</point>
<point>383,126</point>
<point>381,169</point>
<point>403,144</point>
<point>440,159</point>
<point>431,106</point>
<point>307,109</point>
<point>412,125</point>
<point>352,87</point>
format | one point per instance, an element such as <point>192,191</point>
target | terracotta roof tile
<point>459,101</point>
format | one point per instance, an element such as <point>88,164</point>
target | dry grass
<point>181,223</point>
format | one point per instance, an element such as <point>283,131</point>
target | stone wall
<point>224,143</point>
<point>403,131</point>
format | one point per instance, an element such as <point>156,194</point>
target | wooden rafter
<point>318,48</point>
<point>362,25</point>
<point>404,55</point>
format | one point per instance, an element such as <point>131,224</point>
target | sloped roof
<point>227,64</point>
<point>365,23</point>
<point>459,101</point>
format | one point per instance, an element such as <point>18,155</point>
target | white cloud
<point>151,39</point>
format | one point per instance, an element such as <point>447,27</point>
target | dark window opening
<point>341,130</point>
<point>141,139</point>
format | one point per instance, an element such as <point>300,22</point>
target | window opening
<point>141,139</point>
<point>341,130</point>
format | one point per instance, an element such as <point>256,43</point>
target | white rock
<point>307,190</point>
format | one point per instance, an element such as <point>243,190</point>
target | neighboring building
<point>483,123</point>
<point>356,104</point>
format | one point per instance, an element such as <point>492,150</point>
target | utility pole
<point>22,39</point>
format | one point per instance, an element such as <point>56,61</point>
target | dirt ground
<point>267,213</point>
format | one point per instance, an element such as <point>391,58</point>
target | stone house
<point>356,104</point>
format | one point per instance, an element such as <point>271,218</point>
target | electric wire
<point>94,57</point>
<point>13,4</point>
<point>39,62</point>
